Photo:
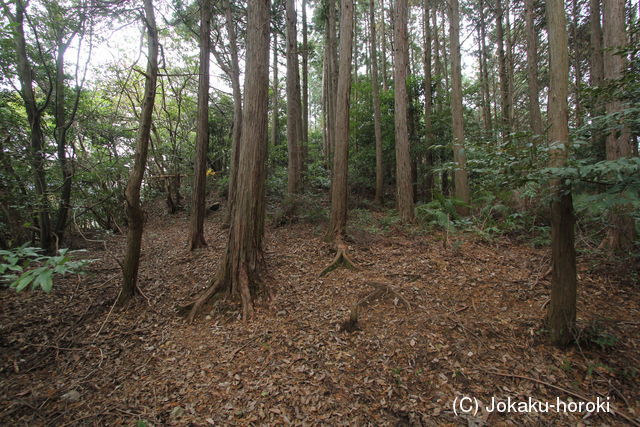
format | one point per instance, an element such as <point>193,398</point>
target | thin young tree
<point>339,184</point>
<point>596,70</point>
<point>621,231</point>
<point>502,72</point>
<point>197,239</point>
<point>135,214</point>
<point>404,190</point>
<point>461,180</point>
<point>535,117</point>
<point>561,315</point>
<point>375,94</point>
<point>240,271</point>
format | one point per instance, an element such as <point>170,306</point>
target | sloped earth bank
<point>473,329</point>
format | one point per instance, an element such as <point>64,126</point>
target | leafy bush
<point>27,266</point>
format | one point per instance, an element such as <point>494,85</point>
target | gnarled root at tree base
<point>233,278</point>
<point>342,259</point>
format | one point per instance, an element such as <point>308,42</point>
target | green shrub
<point>27,266</point>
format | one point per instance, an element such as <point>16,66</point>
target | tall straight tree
<point>202,132</point>
<point>596,69</point>
<point>339,183</point>
<point>461,180</point>
<point>621,231</point>
<point>561,316</point>
<point>276,93</point>
<point>535,117</point>
<point>502,72</point>
<point>294,110</point>
<point>428,101</point>
<point>241,268</point>
<point>305,82</point>
<point>233,71</point>
<point>404,190</point>
<point>375,94</point>
<point>34,116</point>
<point>331,76</point>
<point>484,70</point>
<point>135,215</point>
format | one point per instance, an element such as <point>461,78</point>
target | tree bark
<point>135,215</point>
<point>561,316</point>
<point>404,191</point>
<point>34,117</point>
<point>486,107</point>
<point>234,76</point>
<point>461,181</point>
<point>305,85</point>
<point>535,117</point>
<point>502,71</point>
<point>377,116</point>
<point>577,62</point>
<point>274,102</point>
<point>596,72</point>
<point>509,63</point>
<point>621,231</point>
<point>60,135</point>
<point>294,111</point>
<point>202,132</point>
<point>240,271</point>
<point>339,184</point>
<point>332,76</point>
<point>383,43</point>
<point>428,102</point>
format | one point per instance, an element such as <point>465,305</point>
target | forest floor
<point>473,328</point>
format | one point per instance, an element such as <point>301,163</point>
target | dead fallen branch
<point>380,290</point>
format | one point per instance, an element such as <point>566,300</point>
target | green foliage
<point>595,334</point>
<point>24,266</point>
<point>440,213</point>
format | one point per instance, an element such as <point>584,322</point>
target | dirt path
<point>475,319</point>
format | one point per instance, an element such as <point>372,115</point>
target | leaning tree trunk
<point>202,133</point>
<point>339,184</point>
<point>621,231</point>
<point>375,93</point>
<point>561,316</point>
<point>404,191</point>
<point>135,215</point>
<point>461,180</point>
<point>240,270</point>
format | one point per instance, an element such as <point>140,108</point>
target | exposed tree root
<point>342,259</point>
<point>194,307</point>
<point>380,290</point>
